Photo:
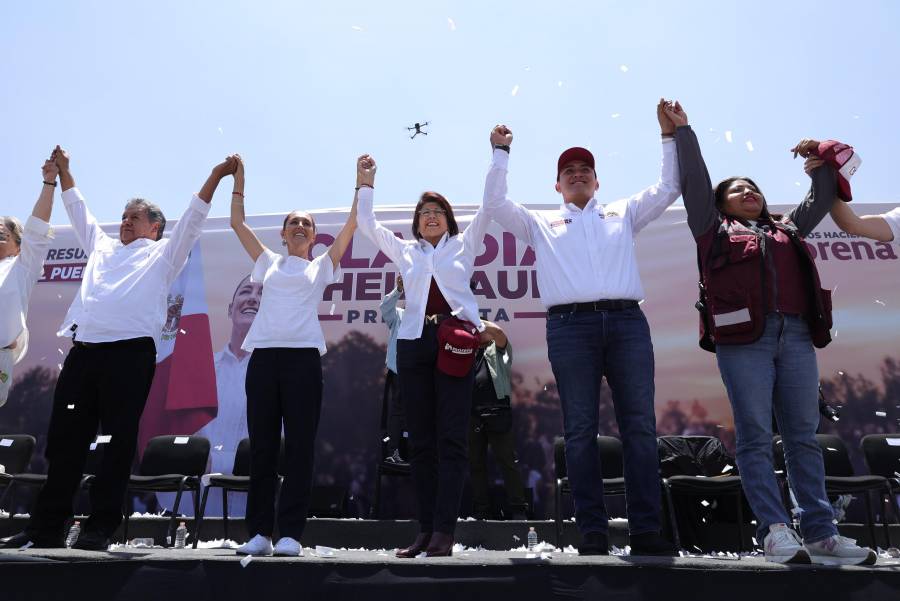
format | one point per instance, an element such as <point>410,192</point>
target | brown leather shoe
<point>419,545</point>
<point>441,545</point>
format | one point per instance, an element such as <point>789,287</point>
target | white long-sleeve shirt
<point>125,288</point>
<point>18,276</point>
<point>450,263</point>
<point>584,255</point>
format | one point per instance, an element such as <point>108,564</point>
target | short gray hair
<point>154,213</point>
<point>14,227</point>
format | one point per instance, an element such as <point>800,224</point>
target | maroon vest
<point>737,289</point>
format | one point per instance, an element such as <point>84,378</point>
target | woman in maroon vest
<point>762,312</point>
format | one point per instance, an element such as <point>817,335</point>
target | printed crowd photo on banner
<point>199,381</point>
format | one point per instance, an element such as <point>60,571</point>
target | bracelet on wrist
<point>667,135</point>
<point>364,186</point>
<point>501,147</point>
<point>46,183</point>
<point>236,193</point>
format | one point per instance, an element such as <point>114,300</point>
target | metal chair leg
<point>871,519</point>
<point>225,512</point>
<point>740,520</point>
<point>376,502</point>
<point>673,522</point>
<point>557,518</point>
<point>173,521</point>
<point>199,516</point>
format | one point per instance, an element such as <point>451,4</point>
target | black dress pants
<point>284,386</point>
<point>437,418</point>
<point>103,385</point>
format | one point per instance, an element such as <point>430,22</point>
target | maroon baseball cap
<point>576,153</point>
<point>458,341</point>
<point>845,162</point>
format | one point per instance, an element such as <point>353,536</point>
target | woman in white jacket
<point>22,252</point>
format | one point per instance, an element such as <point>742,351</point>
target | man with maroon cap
<point>589,282</point>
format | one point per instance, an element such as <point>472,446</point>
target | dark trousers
<point>437,417</point>
<point>396,420</point>
<point>503,447</point>
<point>103,385</point>
<point>284,386</point>
<point>583,348</point>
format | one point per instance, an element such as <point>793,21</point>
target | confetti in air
<point>623,68</point>
<point>728,136</point>
<point>615,115</point>
<point>798,184</point>
<point>515,90</point>
<point>60,351</point>
<point>558,85</point>
<point>220,130</point>
<point>880,302</point>
<point>356,28</point>
<point>451,24</point>
<point>749,146</point>
<point>881,414</point>
<point>182,331</point>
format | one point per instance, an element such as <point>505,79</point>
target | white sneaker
<point>288,547</point>
<point>839,550</point>
<point>782,545</point>
<point>258,545</point>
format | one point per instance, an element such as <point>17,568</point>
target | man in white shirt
<point>114,321</point>
<point>589,282</point>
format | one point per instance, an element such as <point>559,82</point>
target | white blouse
<point>450,263</point>
<point>18,275</point>
<point>288,312</point>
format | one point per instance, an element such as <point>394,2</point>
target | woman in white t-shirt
<point>284,374</point>
<point>883,228</point>
<point>22,252</point>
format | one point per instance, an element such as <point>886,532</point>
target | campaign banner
<point>860,369</point>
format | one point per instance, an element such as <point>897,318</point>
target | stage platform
<point>218,575</point>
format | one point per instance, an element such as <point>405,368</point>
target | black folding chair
<point>699,485</point>
<point>384,468</point>
<point>238,481</point>
<point>610,450</point>
<point>91,467</point>
<point>882,453</point>
<point>840,478</point>
<point>15,455</point>
<point>171,464</point>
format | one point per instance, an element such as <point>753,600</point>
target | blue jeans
<point>583,347</point>
<point>778,371</point>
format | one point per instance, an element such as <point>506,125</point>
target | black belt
<point>598,305</point>
<point>115,343</point>
<point>435,319</point>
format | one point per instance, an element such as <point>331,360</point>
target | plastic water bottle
<point>180,536</point>
<point>532,539</point>
<point>74,531</point>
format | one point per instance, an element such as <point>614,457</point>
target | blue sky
<point>148,96</point>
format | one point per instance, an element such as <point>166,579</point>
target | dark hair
<point>315,229</point>
<point>438,199</point>
<point>722,190</point>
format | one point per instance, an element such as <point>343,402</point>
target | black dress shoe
<point>22,539</point>
<point>419,545</point>
<point>594,543</point>
<point>92,540</point>
<point>441,545</point>
<point>651,543</point>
